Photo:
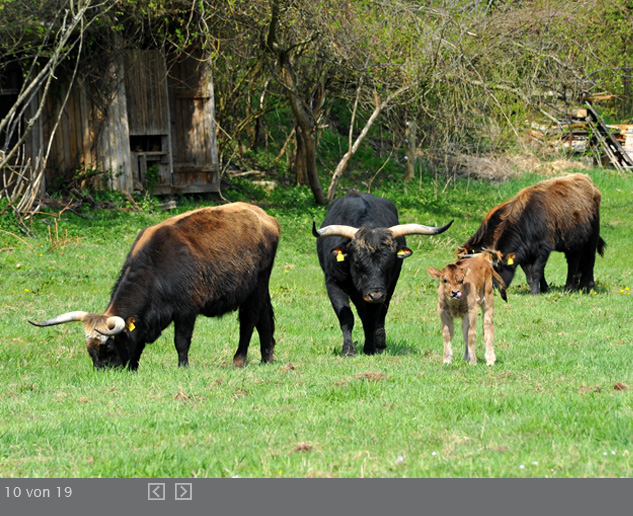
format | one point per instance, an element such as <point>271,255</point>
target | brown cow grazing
<point>464,286</point>
<point>208,261</point>
<point>560,214</point>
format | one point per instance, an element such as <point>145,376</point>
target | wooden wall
<point>72,149</point>
<point>146,89</point>
<point>91,135</point>
<point>173,109</point>
<point>193,138</point>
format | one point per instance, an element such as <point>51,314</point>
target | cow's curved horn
<point>417,229</point>
<point>334,230</point>
<point>64,318</point>
<point>115,325</point>
<point>495,255</point>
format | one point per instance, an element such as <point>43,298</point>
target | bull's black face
<point>108,351</point>
<point>375,263</point>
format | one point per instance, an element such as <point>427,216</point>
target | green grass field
<point>558,403</point>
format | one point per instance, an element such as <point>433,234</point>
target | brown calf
<point>465,285</point>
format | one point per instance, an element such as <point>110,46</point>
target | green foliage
<point>8,220</point>
<point>152,177</point>
<point>557,403</point>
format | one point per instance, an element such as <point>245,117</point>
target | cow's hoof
<point>239,362</point>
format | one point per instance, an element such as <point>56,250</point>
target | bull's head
<point>373,254</point>
<point>105,336</point>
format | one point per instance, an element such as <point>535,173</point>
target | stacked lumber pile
<point>583,130</point>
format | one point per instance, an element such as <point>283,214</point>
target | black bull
<point>208,261</point>
<point>361,259</point>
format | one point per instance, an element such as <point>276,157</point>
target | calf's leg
<point>469,327</point>
<point>448,328</point>
<point>489,331</point>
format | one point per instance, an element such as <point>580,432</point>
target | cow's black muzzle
<point>375,296</point>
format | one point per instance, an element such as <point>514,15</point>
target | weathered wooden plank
<point>145,82</point>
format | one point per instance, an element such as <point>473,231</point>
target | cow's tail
<point>501,285</point>
<point>602,245</point>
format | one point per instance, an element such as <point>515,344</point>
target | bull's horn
<point>491,251</point>
<point>475,255</point>
<point>115,325</point>
<point>417,229</point>
<point>334,230</point>
<point>64,318</point>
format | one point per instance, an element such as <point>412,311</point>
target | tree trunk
<point>411,144</point>
<point>304,119</point>
<point>306,126</point>
<point>301,171</point>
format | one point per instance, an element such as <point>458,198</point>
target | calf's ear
<point>404,252</point>
<point>436,273</point>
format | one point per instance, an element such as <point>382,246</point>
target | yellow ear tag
<point>340,257</point>
<point>510,261</point>
<point>401,252</point>
<point>131,326</point>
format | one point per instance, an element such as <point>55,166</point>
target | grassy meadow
<point>558,403</point>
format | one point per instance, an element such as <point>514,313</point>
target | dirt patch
<point>287,368</point>
<point>303,448</point>
<point>503,168</point>
<point>588,389</point>
<point>182,396</point>
<point>371,377</point>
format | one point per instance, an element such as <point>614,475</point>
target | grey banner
<point>305,497</point>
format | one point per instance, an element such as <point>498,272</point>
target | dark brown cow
<point>208,261</point>
<point>560,214</point>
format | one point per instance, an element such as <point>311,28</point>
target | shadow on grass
<point>394,348</point>
<point>559,290</point>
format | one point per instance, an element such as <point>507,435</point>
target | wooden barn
<point>152,127</point>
